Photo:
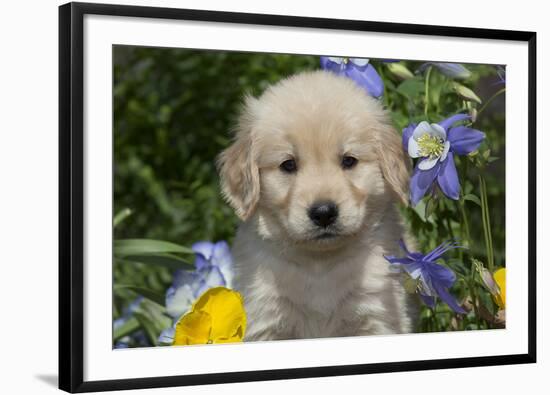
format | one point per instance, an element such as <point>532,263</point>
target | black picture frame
<point>71,204</point>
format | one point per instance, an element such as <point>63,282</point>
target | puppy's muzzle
<point>323,214</point>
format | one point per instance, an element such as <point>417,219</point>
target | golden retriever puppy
<point>315,172</point>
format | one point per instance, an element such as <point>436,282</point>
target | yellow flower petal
<point>218,316</point>
<point>227,311</point>
<point>500,279</point>
<point>193,328</point>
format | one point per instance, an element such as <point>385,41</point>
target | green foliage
<point>174,110</point>
<point>173,114</point>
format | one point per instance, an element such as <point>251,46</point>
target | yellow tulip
<point>500,279</point>
<point>218,316</point>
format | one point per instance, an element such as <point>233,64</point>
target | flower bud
<point>400,71</point>
<point>488,281</point>
<point>473,114</point>
<point>453,70</point>
<point>465,93</point>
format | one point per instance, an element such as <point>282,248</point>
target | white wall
<point>28,193</point>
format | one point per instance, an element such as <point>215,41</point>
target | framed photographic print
<point>253,197</point>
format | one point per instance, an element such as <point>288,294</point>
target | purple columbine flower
<point>432,279</point>
<point>451,70</point>
<point>435,146</point>
<point>359,70</point>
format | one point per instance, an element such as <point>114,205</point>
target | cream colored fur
<point>297,284</point>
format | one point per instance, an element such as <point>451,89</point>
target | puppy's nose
<point>323,213</point>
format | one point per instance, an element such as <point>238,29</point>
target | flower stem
<point>449,227</point>
<point>475,298</point>
<point>486,223</point>
<point>499,92</point>
<point>427,90</point>
<point>434,320</point>
<point>466,234</point>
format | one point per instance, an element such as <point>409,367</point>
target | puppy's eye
<point>289,166</point>
<point>348,162</point>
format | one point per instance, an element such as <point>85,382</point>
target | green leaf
<point>146,292</point>
<point>125,329</point>
<point>488,302</point>
<point>121,216</point>
<point>128,247</point>
<point>169,261</point>
<point>411,87</point>
<point>410,284</point>
<point>153,319</point>
<point>431,205</point>
<point>420,210</point>
<point>426,313</point>
<point>149,327</point>
<point>473,198</point>
<point>458,267</point>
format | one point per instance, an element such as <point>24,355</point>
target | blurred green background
<point>173,113</point>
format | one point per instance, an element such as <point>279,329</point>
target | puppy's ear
<point>394,162</point>
<point>239,173</point>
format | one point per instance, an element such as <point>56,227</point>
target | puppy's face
<point>314,160</point>
<point>316,175</point>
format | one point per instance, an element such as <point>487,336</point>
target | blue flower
<point>359,70</point>
<point>138,339</point>
<point>123,342</point>
<point>127,312</point>
<point>213,268</point>
<point>167,335</point>
<point>432,279</point>
<point>451,70</point>
<point>435,146</point>
<point>501,73</point>
<point>217,255</point>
